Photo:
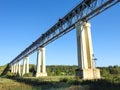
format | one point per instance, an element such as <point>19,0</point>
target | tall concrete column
<point>43,65</point>
<point>19,68</point>
<point>85,52</point>
<point>81,47</point>
<point>16,68</point>
<point>12,67</point>
<point>27,64</point>
<point>24,62</point>
<point>38,63</point>
<point>89,46</point>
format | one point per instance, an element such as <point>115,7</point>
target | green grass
<point>2,68</point>
<point>7,84</point>
<point>110,81</point>
<point>58,83</point>
<point>51,78</point>
<point>69,83</point>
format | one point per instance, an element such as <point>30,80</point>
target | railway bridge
<point>78,18</point>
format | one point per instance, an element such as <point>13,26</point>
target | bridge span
<point>78,18</point>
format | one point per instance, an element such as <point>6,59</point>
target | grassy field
<point>110,81</point>
<point>7,84</point>
<point>56,83</point>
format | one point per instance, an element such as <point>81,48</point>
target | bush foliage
<point>64,70</point>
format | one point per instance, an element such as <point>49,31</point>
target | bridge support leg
<point>38,62</point>
<point>23,71</point>
<point>19,69</point>
<point>27,64</point>
<point>41,60</point>
<point>16,68</point>
<point>12,68</point>
<point>86,66</point>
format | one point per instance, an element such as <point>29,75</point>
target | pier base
<point>41,74</point>
<point>88,73</point>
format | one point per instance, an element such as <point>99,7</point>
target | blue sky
<point>23,21</point>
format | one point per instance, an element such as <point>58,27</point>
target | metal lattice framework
<point>84,11</point>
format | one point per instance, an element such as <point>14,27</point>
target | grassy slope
<point>70,83</point>
<point>2,68</point>
<point>57,83</point>
<point>7,84</point>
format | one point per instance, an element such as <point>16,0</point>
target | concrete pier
<point>38,63</point>
<point>23,69</point>
<point>27,64</point>
<point>12,68</point>
<point>19,68</point>
<point>16,68</point>
<point>41,67</point>
<point>86,68</point>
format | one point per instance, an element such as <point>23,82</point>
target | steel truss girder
<point>84,11</point>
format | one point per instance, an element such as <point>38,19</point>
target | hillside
<point>2,68</point>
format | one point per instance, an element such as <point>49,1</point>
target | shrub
<point>64,80</point>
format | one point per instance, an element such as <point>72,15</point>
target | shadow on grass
<point>102,84</point>
<point>40,83</point>
<point>70,84</point>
